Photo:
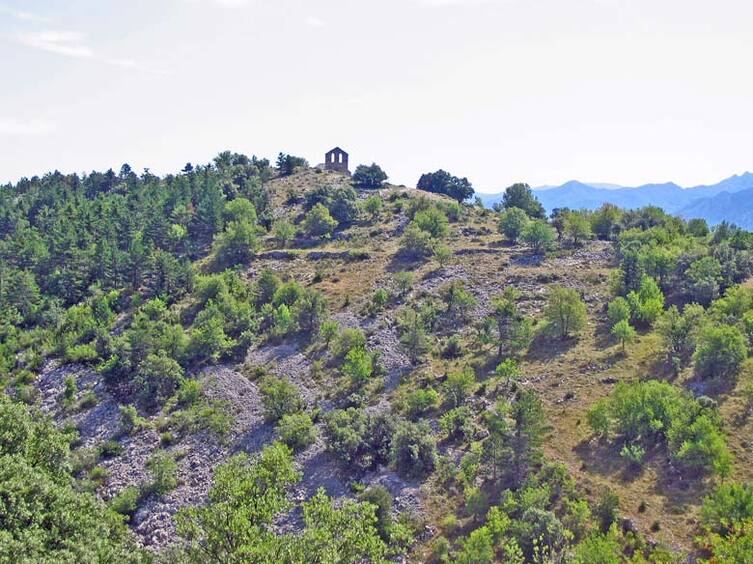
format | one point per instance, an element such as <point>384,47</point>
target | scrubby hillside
<point>251,365</point>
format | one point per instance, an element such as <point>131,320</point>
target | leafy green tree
<point>404,281</point>
<point>605,221</point>
<point>350,338</point>
<point>736,547</point>
<point>44,519</point>
<point>512,221</point>
<point>358,366</point>
<point>237,244</point>
<point>208,337</point>
<point>459,384</point>
<point>618,310</point>
<point>459,300</point>
<point>441,182</point>
<point>244,500</point>
<point>283,231</point>
<point>369,177</point>
<point>698,227</point>
<point>478,548</point>
<point>514,332</point>
<point>328,330</point>
<point>703,278</point>
<point>604,548</point>
<point>624,332</point>
<point>720,352</point>
<point>381,499</point>
<point>296,430</point>
<point>698,445</point>
<point>607,509</point>
<point>159,377</point>
<point>539,236</point>
<point>287,164</point>
<point>577,227</point>
<point>422,400</point>
<point>521,196</point>
<point>647,303</point>
<point>239,209</point>
<point>565,312</point>
<point>651,412</point>
<point>414,449</point>
<point>319,223</point>
<point>359,438</point>
<point>340,201</point>
<point>727,507</point>
<point>279,398</point>
<point>416,243</point>
<point>680,330</point>
<point>526,434</point>
<point>344,533</point>
<point>442,254</point>
<point>373,206</point>
<point>414,335</point>
<point>433,221</point>
<point>308,310</point>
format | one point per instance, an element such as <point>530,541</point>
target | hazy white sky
<point>542,91</point>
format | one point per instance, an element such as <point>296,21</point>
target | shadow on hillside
<point>679,491</point>
<point>400,262</point>
<point>544,348</point>
<point>602,458</point>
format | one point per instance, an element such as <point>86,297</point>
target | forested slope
<point>242,362</point>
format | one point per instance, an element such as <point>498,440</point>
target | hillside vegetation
<point>253,363</point>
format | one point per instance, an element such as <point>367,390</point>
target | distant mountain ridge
<point>730,199</point>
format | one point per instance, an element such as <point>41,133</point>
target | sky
<point>499,91</point>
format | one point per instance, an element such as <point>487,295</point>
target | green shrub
<point>359,438</point>
<point>126,501</point>
<point>512,222</point>
<point>720,352</point>
<point>380,299</point>
<point>348,340</point>
<point>421,401</point>
<point>81,353</point>
<point>458,422</point>
<point>727,507</point>
<point>279,397</point>
<point>328,330</point>
<point>646,413</point>
<point>624,332</point>
<point>618,310</point>
<point>358,366</point>
<point>163,469</point>
<point>647,303</point>
<point>296,430</point>
<point>459,384</point>
<point>416,243</point>
<point>565,312</point>
<point>539,236</point>
<point>373,206</point>
<point>404,281</point>
<point>319,223</point>
<point>414,449</point>
<point>110,449</point>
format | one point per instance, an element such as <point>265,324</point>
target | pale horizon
<point>499,91</point>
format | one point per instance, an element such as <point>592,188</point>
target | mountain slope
<point>735,208</point>
<point>669,196</point>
